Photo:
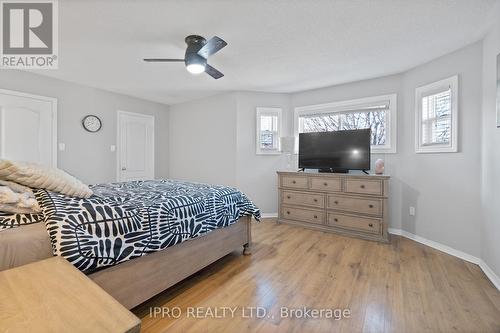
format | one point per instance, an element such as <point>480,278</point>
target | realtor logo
<point>29,34</point>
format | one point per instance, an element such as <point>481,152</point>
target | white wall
<point>88,155</point>
<point>490,237</point>
<point>256,174</point>
<point>444,188</point>
<point>212,140</point>
<point>202,140</point>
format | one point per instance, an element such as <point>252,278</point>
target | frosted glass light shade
<point>195,68</point>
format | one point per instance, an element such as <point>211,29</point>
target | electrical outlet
<point>112,148</point>
<point>412,211</point>
<point>62,146</point>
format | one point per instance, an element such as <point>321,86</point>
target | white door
<point>28,128</point>
<point>135,146</point>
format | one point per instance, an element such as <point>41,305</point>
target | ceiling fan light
<point>195,68</point>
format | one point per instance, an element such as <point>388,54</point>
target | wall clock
<point>92,123</point>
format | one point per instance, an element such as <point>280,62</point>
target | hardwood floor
<point>400,287</point>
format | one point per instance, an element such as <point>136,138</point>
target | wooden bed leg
<point>247,248</point>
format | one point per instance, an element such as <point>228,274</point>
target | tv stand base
<point>330,170</point>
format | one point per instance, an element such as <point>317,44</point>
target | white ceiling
<point>274,46</point>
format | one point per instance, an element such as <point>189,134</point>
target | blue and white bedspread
<point>122,221</point>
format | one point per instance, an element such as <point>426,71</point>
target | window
<point>268,130</point>
<point>436,117</point>
<point>377,113</point>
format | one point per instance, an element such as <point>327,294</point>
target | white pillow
<point>39,176</point>
<point>17,202</point>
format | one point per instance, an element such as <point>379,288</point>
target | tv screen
<point>340,151</point>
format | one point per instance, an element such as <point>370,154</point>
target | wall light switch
<point>62,146</point>
<point>112,148</point>
<point>412,211</point>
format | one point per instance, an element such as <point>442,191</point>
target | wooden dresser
<point>352,205</point>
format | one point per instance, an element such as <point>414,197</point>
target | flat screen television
<point>338,151</point>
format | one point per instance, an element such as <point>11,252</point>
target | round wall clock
<point>92,123</point>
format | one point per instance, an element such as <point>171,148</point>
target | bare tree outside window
<point>436,118</point>
<point>328,122</point>
<point>436,111</point>
<point>269,132</point>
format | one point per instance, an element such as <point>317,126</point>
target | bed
<point>134,239</point>
<point>24,245</point>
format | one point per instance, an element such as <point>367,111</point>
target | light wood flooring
<point>400,287</point>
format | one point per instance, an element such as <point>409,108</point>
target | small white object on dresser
<point>352,205</point>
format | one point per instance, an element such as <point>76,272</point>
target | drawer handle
<point>288,197</point>
<point>362,186</point>
<point>315,200</point>
<point>370,225</point>
<point>336,219</point>
<point>371,206</point>
<point>288,212</point>
<point>326,184</point>
<point>294,182</point>
<point>315,216</point>
<point>336,202</point>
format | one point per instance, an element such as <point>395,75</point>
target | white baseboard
<point>490,274</point>
<point>438,246</point>
<point>269,215</point>
<point>451,251</point>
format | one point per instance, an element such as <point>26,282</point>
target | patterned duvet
<point>122,221</point>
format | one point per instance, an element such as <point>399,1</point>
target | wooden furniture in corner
<point>53,296</point>
<point>353,205</point>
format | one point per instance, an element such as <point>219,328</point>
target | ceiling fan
<point>197,52</point>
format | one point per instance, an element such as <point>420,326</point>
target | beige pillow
<point>39,176</point>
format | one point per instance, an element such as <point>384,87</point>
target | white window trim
<point>264,111</point>
<point>391,145</point>
<point>452,147</point>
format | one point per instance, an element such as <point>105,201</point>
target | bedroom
<point>125,149</point>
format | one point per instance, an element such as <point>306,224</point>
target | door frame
<point>118,136</point>
<point>51,100</point>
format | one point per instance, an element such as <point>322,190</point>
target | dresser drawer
<point>303,198</point>
<point>364,186</point>
<point>326,184</point>
<point>355,205</point>
<point>294,182</point>
<point>355,223</point>
<point>304,215</point>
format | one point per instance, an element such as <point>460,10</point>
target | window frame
<point>432,89</point>
<point>267,111</point>
<point>354,104</point>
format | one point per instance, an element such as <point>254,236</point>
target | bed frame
<point>134,281</point>
<point>137,280</point>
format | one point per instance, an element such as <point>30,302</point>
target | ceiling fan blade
<point>213,72</point>
<point>163,60</point>
<point>212,46</point>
